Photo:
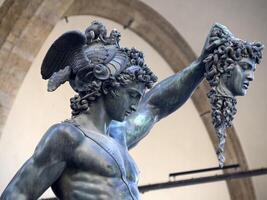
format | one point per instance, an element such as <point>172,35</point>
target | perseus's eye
<point>134,94</point>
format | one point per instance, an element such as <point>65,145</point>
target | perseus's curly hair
<point>222,61</point>
<point>135,70</point>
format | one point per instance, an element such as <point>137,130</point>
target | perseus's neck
<point>95,119</point>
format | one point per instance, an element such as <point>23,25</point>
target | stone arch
<point>26,24</point>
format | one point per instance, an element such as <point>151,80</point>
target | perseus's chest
<point>102,155</point>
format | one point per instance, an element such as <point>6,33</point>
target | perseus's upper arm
<point>46,164</point>
<point>136,126</point>
<point>58,143</point>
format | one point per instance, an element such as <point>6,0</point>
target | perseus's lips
<point>127,113</point>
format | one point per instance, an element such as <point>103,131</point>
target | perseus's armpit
<point>230,68</point>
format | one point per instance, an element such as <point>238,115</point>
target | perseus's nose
<point>133,107</point>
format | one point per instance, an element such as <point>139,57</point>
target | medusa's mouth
<point>245,85</point>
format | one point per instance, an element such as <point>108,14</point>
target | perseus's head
<point>120,83</point>
<point>98,68</point>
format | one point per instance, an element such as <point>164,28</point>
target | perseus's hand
<point>218,35</point>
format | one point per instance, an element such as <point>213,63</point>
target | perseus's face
<point>125,102</point>
<point>238,81</point>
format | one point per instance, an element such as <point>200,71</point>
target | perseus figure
<point>230,68</point>
<point>86,157</point>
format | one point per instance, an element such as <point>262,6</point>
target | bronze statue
<point>86,157</point>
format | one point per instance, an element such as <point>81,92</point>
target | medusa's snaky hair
<point>225,57</point>
<point>222,60</point>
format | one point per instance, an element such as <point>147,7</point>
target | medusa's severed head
<point>230,67</point>
<point>229,70</point>
<point>94,64</point>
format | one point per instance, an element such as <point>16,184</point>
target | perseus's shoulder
<point>62,135</point>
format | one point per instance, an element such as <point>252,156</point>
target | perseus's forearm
<point>171,93</point>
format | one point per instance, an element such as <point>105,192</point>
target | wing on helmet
<point>62,53</point>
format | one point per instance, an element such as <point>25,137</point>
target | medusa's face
<point>238,81</point>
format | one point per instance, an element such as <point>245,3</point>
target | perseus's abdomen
<point>86,186</point>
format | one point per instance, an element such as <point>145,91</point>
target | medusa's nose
<point>250,75</point>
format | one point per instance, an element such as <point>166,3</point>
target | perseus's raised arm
<point>166,97</point>
<point>163,99</point>
<point>171,93</point>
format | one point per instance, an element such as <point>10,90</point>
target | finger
<point>214,44</point>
